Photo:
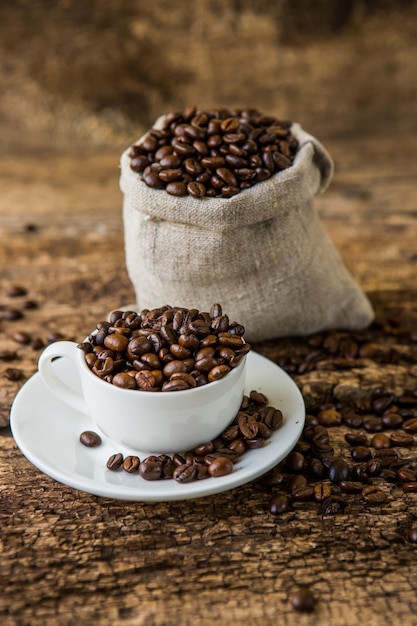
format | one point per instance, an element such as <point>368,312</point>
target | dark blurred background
<point>93,75</point>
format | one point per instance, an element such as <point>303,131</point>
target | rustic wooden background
<point>79,82</point>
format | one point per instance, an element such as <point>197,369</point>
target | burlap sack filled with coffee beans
<point>262,254</point>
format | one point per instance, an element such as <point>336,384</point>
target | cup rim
<point>158,393</point>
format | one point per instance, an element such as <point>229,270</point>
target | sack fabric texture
<point>263,254</point>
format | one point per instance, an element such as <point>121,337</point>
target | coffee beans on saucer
<point>210,459</point>
<point>165,349</point>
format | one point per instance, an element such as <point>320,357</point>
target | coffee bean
<point>361,453</point>
<point>333,505</point>
<point>151,468</point>
<point>185,473</point>
<point>338,470</point>
<point>131,464</point>
<point>373,495</point>
<point>280,503</point>
<point>410,425</point>
<point>12,315</point>
<point>8,355</point>
<point>303,600</point>
<point>356,439</point>
<point>247,425</point>
<point>380,441</point>
<point>329,417</point>
<point>295,462</point>
<point>410,487</point>
<point>412,534</point>
<point>15,291</point>
<point>22,337</point>
<point>90,439</point>
<point>322,491</point>
<point>391,420</point>
<point>303,493</point>
<point>13,373</point>
<point>401,440</point>
<point>115,461</point>
<point>220,467</point>
<point>350,486</point>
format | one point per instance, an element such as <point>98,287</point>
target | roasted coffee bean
<point>361,453</point>
<point>247,425</point>
<point>401,440</point>
<point>380,441</point>
<point>151,468</point>
<point>204,448</point>
<point>272,478</point>
<point>256,442</point>
<point>406,475</point>
<point>15,291</point>
<point>373,467</point>
<point>258,397</point>
<point>373,495</point>
<point>280,503</point>
<point>356,439</point>
<point>303,493</point>
<point>391,420</point>
<point>410,425</point>
<point>227,453</point>
<point>412,534</point>
<point>8,355</point>
<point>124,380</point>
<point>131,464</point>
<point>238,446</point>
<point>329,417</point>
<point>333,505</point>
<point>295,462</point>
<point>338,470</point>
<point>115,461</point>
<point>12,315</point>
<point>322,491</point>
<point>386,457</point>
<point>13,373</point>
<point>186,473</point>
<point>220,467</point>
<point>217,372</point>
<point>410,487</point>
<point>90,439</point>
<point>303,600</point>
<point>351,486</point>
<point>317,468</point>
<point>359,472</point>
<point>372,424</point>
<point>22,337</point>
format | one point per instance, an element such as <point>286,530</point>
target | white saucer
<point>47,432</point>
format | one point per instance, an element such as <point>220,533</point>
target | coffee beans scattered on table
<point>365,469</point>
<point>210,459</point>
<point>165,349</point>
<point>216,153</point>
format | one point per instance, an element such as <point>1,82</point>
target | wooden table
<point>68,557</point>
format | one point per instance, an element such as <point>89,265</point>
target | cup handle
<point>66,349</point>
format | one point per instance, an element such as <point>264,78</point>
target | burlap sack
<point>262,254</point>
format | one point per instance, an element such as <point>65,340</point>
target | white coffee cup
<point>152,422</point>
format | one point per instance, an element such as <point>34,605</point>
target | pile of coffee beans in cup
<point>165,349</point>
<point>254,423</point>
<point>214,153</point>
